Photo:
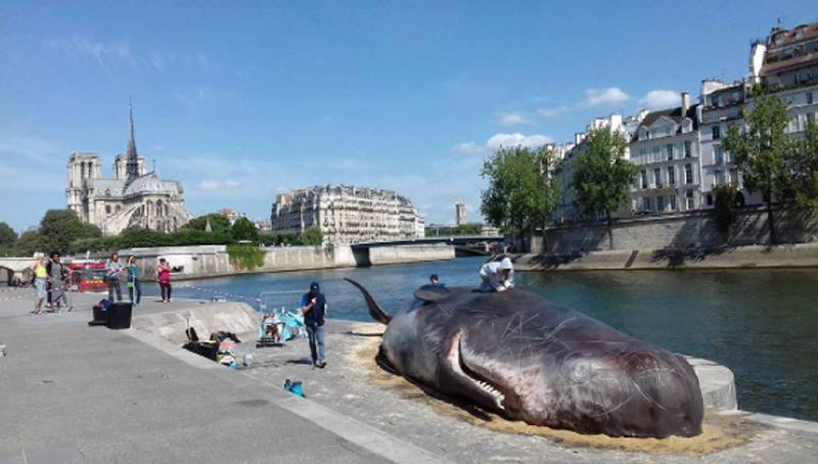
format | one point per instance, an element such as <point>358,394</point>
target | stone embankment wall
<point>206,318</point>
<point>409,254</point>
<point>681,231</point>
<point>196,262</point>
<point>747,257</point>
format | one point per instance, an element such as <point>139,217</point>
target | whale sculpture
<point>531,360</point>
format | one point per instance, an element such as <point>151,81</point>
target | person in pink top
<point>163,270</point>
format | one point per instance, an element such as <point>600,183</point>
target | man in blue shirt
<point>314,307</point>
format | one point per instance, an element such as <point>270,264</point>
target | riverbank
<point>209,261</point>
<point>137,397</point>
<point>744,257</point>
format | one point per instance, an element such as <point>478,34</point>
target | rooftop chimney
<point>685,103</point>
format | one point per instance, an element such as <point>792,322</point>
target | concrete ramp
<point>206,318</point>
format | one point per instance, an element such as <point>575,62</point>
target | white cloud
<point>552,112</point>
<point>607,96</point>
<point>517,139</point>
<point>210,184</point>
<point>105,53</point>
<point>656,99</point>
<point>498,141</point>
<point>513,119</point>
<point>468,147</point>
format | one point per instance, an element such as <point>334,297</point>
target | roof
<point>150,183</point>
<point>674,113</point>
<point>106,187</point>
<point>796,34</point>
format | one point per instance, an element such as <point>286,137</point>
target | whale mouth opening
<point>462,370</point>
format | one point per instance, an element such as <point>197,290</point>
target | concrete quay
<point>744,257</point>
<point>73,393</point>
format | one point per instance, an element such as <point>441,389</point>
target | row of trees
<point>523,192</point>
<point>62,231</point>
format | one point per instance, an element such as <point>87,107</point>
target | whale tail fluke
<point>374,309</point>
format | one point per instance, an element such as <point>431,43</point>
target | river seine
<point>762,324</point>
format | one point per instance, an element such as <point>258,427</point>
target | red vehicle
<point>88,276</point>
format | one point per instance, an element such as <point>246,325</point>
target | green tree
<point>244,229</point>
<point>469,228</point>
<point>60,227</point>
<point>7,235</point>
<point>29,243</point>
<point>218,223</point>
<point>603,176</point>
<point>312,236</point>
<point>521,194</point>
<point>805,167</point>
<point>762,151</point>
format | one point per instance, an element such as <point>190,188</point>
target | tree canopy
<point>763,151</point>
<point>244,229</point>
<point>7,235</point>
<point>806,167</point>
<point>60,227</point>
<point>218,223</point>
<point>521,194</point>
<point>312,236</point>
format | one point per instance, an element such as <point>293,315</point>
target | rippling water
<point>762,324</point>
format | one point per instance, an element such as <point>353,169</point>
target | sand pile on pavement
<point>718,431</point>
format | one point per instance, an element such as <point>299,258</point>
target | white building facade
<point>665,150</point>
<point>347,214</point>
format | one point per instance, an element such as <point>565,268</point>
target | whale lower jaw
<point>456,363</point>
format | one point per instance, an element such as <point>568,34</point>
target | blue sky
<point>243,100</point>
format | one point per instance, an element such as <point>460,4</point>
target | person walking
<point>314,308</point>
<point>56,279</point>
<point>497,276</point>
<point>40,278</point>
<point>163,272</point>
<point>133,283</point>
<point>113,271</point>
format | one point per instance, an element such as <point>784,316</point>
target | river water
<point>762,324</point>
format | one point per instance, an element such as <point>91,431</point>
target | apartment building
<point>665,149</point>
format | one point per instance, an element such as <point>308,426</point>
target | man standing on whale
<point>497,276</point>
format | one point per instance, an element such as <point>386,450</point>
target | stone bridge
<point>14,266</point>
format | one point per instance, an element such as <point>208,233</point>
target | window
<point>709,199</point>
<point>670,152</point>
<point>672,201</point>
<point>107,209</point>
<point>671,175</point>
<point>809,98</point>
<point>648,206</point>
<point>719,174</point>
<point>690,201</point>
<point>656,155</point>
<point>660,204</point>
<point>643,175</point>
<point>688,173</point>
<point>688,149</point>
<point>716,132</point>
<point>734,176</point>
<point>657,177</point>
<point>719,155</point>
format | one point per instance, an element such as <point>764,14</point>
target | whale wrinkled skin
<point>528,359</point>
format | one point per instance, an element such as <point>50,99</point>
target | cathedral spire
<point>132,166</point>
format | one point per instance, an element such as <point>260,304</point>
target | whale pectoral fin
<point>374,309</point>
<point>431,293</point>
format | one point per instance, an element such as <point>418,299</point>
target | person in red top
<point>163,270</point>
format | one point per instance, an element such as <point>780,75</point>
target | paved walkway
<point>73,393</point>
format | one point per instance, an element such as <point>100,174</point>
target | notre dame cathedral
<point>133,198</point>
